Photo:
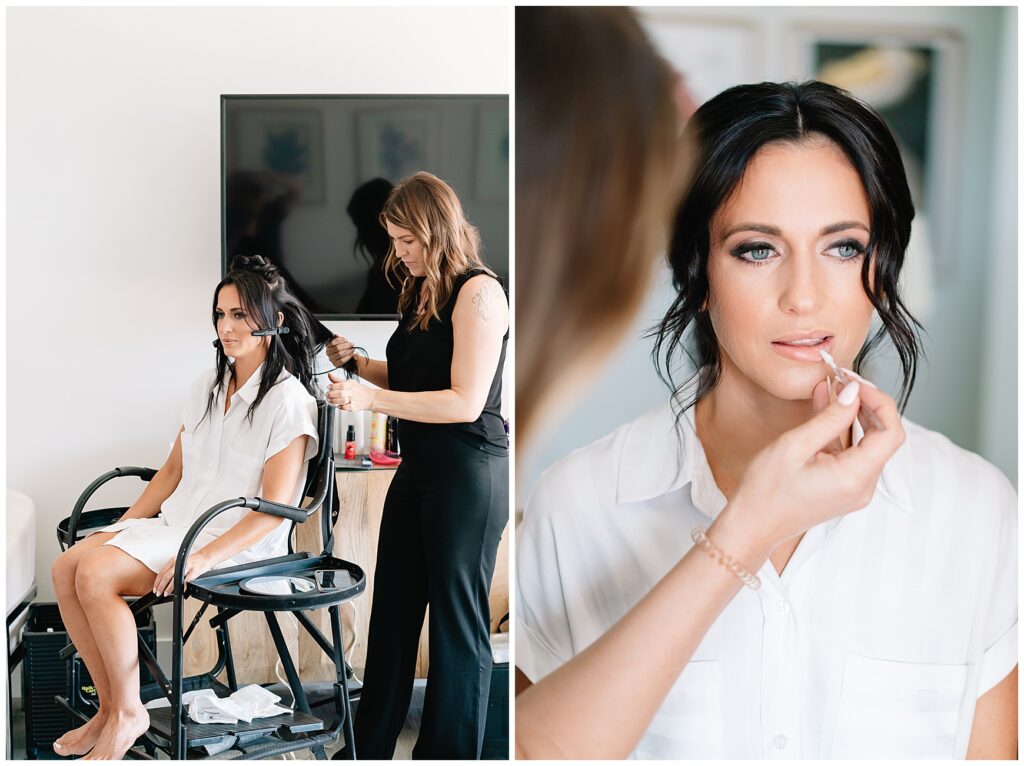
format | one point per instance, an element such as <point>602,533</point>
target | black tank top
<point>421,360</point>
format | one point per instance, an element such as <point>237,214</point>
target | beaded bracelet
<point>700,539</point>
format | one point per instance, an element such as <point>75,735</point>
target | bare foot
<point>120,733</point>
<point>81,740</point>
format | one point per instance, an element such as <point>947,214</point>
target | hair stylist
<point>586,237</point>
<point>448,502</point>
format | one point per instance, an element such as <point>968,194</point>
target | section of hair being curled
<point>727,132</point>
<point>264,294</point>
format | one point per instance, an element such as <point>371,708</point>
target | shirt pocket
<point>241,475</point>
<point>244,472</point>
<point>689,722</point>
<point>891,709</point>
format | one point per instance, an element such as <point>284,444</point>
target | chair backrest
<point>320,489</point>
<point>321,468</point>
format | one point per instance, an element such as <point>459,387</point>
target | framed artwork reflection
<point>395,143</point>
<point>914,79</point>
<point>285,142</point>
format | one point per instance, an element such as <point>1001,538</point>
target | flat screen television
<point>303,179</point>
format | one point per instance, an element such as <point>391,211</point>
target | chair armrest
<point>277,509</point>
<point>146,474</point>
<point>253,503</point>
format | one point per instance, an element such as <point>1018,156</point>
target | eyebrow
<point>776,231</point>
<point>234,308</point>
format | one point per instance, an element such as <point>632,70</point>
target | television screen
<point>303,179</point>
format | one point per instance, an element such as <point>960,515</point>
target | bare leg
<point>79,741</point>
<point>105,576</point>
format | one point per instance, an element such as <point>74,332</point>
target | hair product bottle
<point>391,442</point>
<point>350,443</point>
<point>362,443</point>
<point>378,429</point>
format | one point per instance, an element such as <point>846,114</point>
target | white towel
<point>247,703</point>
<point>187,697</point>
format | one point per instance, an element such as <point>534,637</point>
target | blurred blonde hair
<point>430,209</point>
<point>598,174</point>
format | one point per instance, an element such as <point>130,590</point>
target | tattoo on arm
<point>483,301</point>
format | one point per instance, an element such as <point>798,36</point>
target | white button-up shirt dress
<point>223,458</point>
<point>883,630</point>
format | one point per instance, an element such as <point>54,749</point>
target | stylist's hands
<point>349,395</point>
<point>196,564</point>
<point>339,350</point>
<point>804,477</point>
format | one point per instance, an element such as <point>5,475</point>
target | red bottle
<point>350,443</point>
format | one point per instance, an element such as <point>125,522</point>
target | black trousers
<point>442,521</point>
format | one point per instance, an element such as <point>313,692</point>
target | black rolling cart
<point>46,674</point>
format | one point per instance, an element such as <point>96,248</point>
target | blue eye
<point>847,250</point>
<point>753,252</point>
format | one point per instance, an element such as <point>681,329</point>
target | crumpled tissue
<point>249,702</point>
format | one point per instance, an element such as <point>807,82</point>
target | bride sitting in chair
<point>250,428</point>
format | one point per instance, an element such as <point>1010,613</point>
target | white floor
<point>403,750</point>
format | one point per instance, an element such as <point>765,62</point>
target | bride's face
<point>784,268</point>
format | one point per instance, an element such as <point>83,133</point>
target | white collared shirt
<point>223,456</point>
<point>884,628</point>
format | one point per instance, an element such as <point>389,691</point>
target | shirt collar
<point>659,458</point>
<point>248,392</point>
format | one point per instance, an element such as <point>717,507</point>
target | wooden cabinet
<point>361,495</point>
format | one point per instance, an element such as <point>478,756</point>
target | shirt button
<point>781,608</point>
<point>780,741</point>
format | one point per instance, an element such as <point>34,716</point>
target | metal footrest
<point>199,734</point>
<point>270,747</point>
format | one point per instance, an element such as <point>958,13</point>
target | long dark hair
<point>263,293</point>
<point>727,131</point>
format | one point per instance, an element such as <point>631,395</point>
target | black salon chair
<point>296,583</point>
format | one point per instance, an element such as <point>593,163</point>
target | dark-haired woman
<point>448,502</point>
<point>890,632</point>
<point>249,428</point>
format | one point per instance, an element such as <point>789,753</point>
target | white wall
<point>113,192</point>
<point>967,384</point>
<point>999,430</point>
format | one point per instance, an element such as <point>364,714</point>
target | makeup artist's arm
<point>340,350</point>
<point>479,321</point>
<point>160,487</point>
<point>280,478</point>
<point>789,487</point>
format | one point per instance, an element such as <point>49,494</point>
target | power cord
<point>345,652</point>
